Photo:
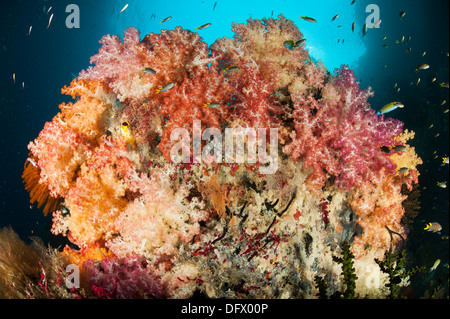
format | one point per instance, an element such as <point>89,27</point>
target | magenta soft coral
<point>341,137</point>
<point>125,278</point>
<point>119,65</point>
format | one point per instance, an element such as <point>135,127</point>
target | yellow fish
<point>435,265</point>
<point>390,107</point>
<point>126,132</point>
<point>442,184</point>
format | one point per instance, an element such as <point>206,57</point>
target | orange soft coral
<point>98,196</point>
<point>87,115</point>
<point>39,192</point>
<point>60,152</point>
<point>94,252</point>
<point>378,204</point>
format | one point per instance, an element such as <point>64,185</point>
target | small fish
<point>443,102</point>
<point>402,14</point>
<point>376,24</point>
<point>212,105</point>
<point>23,85</point>
<point>398,90</point>
<point>207,25</point>
<point>433,227</point>
<point>435,265</point>
<point>29,31</point>
<point>215,4</point>
<point>390,107</point>
<point>433,80</point>
<point>231,69</point>
<point>149,71</point>
<point>399,148</point>
<point>14,78</point>
<point>445,160</point>
<point>50,21</point>
<point>49,10</point>
<point>409,39</point>
<point>424,53</point>
<point>408,50</point>
<point>291,45</point>
<point>165,20</point>
<point>353,26</point>
<point>124,8</point>
<point>437,135</point>
<point>445,111</point>
<point>430,127</point>
<point>422,66</point>
<point>385,149</point>
<point>335,17</point>
<point>166,87</point>
<point>126,132</point>
<point>396,42</point>
<point>385,46</point>
<point>364,29</point>
<point>353,2</point>
<point>403,38</point>
<point>443,85</point>
<point>309,19</point>
<point>384,38</point>
<point>403,170</point>
<point>442,184</point>
<point>418,81</point>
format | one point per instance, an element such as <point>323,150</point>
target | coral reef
<point>216,227</point>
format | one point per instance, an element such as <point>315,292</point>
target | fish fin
<point>378,113</point>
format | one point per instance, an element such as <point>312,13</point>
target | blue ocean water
<point>36,64</point>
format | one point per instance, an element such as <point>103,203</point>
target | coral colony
<point>155,205</point>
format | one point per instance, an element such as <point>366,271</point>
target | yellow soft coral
<point>408,158</point>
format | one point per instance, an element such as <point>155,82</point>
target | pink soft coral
<point>114,278</point>
<point>341,137</point>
